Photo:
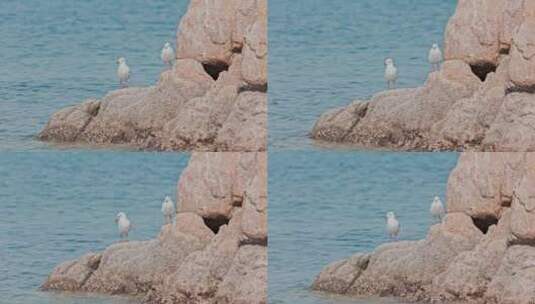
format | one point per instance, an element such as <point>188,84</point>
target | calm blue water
<point>325,206</point>
<point>324,54</point>
<point>56,53</point>
<point>59,205</point>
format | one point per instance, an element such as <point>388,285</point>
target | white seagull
<point>168,210</point>
<point>123,72</point>
<point>168,54</point>
<point>437,209</point>
<point>391,73</point>
<point>123,224</point>
<point>435,57</point>
<point>392,225</point>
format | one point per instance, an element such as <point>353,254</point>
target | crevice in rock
<point>520,89</point>
<point>518,241</point>
<point>484,222</point>
<point>481,70</point>
<point>363,268</point>
<point>215,223</point>
<point>257,242</point>
<point>360,112</point>
<point>253,88</point>
<point>215,68</point>
<point>94,111</point>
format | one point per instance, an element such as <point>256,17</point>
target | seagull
<point>123,224</point>
<point>392,225</point>
<point>391,73</point>
<point>168,54</point>
<point>437,209</point>
<point>435,57</point>
<point>168,209</point>
<point>123,72</point>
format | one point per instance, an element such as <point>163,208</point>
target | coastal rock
<point>400,118</point>
<point>246,278</point>
<point>522,68</point>
<point>200,258</point>
<point>213,99</point>
<point>481,100</point>
<point>482,252</point>
<point>72,275</point>
<point>473,32</point>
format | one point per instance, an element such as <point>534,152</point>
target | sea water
<point>325,206</point>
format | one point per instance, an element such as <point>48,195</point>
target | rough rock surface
<point>481,100</point>
<point>213,99</point>
<point>482,252</point>
<point>215,252</point>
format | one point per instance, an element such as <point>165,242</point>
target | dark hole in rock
<point>506,201</point>
<point>504,51</point>
<point>483,223</point>
<point>214,69</point>
<point>215,223</point>
<point>481,70</point>
<point>237,49</point>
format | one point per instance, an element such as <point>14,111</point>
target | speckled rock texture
<point>215,252</point>
<point>482,252</point>
<point>213,99</point>
<point>481,100</point>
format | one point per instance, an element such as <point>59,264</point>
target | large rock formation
<point>481,100</point>
<point>482,252</point>
<point>213,99</point>
<point>216,252</point>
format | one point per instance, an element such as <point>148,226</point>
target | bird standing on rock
<point>123,72</point>
<point>123,224</point>
<point>168,210</point>
<point>168,54</point>
<point>437,209</point>
<point>392,225</point>
<point>435,57</point>
<point>391,73</point>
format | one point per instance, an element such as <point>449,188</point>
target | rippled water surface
<point>59,205</point>
<point>56,53</point>
<point>325,206</point>
<point>324,54</point>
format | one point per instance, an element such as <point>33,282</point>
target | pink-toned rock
<point>246,278</point>
<point>513,283</point>
<point>473,32</point>
<point>482,183</point>
<point>213,184</point>
<point>246,126</point>
<point>400,119</point>
<point>254,223</point>
<point>522,67</point>
<point>339,276</point>
<point>72,275</point>
<point>200,258</point>
<point>200,103</point>
<point>482,252</point>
